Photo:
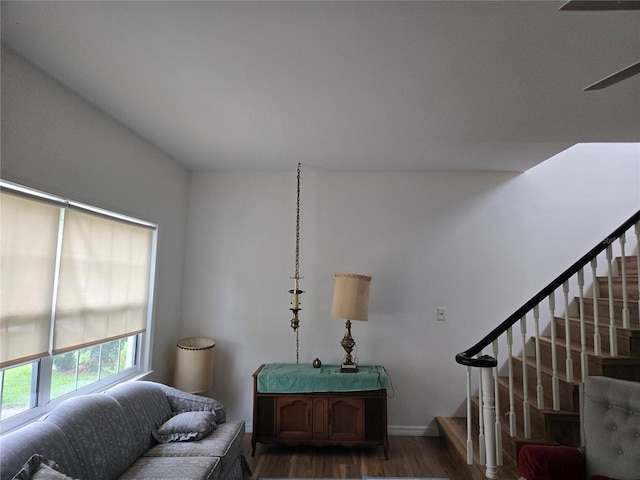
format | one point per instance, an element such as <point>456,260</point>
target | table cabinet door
<point>346,419</point>
<point>293,418</point>
<point>320,416</point>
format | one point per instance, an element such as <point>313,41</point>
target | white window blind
<point>28,240</point>
<point>103,289</point>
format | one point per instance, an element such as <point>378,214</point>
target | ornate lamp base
<point>347,342</point>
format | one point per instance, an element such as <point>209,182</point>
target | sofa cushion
<point>99,433</point>
<point>185,427</point>
<point>48,440</point>
<point>146,408</point>
<point>224,442</point>
<point>167,468</point>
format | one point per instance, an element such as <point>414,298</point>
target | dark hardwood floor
<point>408,457</point>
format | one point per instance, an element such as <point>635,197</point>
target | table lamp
<point>194,364</point>
<point>350,302</point>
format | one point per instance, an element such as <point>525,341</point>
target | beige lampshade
<point>194,364</point>
<point>351,296</point>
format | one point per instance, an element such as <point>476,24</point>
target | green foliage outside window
<point>72,370</point>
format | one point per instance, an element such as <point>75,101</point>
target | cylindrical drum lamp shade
<point>194,364</point>
<point>351,296</point>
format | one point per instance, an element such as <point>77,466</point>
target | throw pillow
<point>45,472</point>
<point>187,402</point>
<point>185,427</point>
<point>39,468</point>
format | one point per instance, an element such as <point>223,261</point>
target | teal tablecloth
<point>303,378</point>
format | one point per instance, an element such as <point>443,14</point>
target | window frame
<point>43,367</point>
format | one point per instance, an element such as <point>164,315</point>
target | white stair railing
<point>489,409</point>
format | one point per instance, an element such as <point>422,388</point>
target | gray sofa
<point>137,429</point>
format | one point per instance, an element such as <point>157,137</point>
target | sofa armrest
<point>188,402</point>
<point>544,462</point>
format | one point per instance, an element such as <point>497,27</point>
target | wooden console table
<point>298,404</point>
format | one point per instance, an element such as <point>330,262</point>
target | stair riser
<point>624,368</point>
<point>631,265</point>
<point>538,422</point>
<point>622,371</point>
<point>626,344</point>
<point>537,418</point>
<point>568,393</point>
<point>603,311</point>
<point>550,427</point>
<point>561,355</point>
<point>564,429</point>
<point>632,287</point>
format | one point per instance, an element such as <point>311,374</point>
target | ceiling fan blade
<point>623,74</point>
<point>600,5</point>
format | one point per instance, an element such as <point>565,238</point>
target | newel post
<point>489,417</point>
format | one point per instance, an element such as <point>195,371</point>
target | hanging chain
<point>295,292</point>
<point>297,270</point>
<point>297,267</point>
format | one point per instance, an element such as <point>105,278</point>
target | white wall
<point>479,244</point>
<point>54,141</point>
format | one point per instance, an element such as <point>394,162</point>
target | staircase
<point>528,409</point>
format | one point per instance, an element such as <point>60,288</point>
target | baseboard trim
<point>413,431</point>
<point>398,430</point>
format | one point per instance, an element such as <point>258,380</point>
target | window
<point>75,300</point>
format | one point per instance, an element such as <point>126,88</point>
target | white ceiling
<point>402,86</point>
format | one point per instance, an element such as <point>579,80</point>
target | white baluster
<point>498,424</point>
<point>512,412</point>
<point>637,228</point>
<point>526,412</point>
<point>489,414</point>
<point>567,333</point>
<point>469,420</point>
<point>597,340</point>
<point>555,381</point>
<point>581,400</point>
<point>583,333</point>
<point>623,268</point>
<point>613,339</point>
<point>482,445</point>
<point>539,387</point>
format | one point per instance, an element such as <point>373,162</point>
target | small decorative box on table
<point>296,404</point>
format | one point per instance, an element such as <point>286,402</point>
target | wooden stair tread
<point>621,331</point>
<point>454,430</point>
<point>632,276</point>
<point>606,299</point>
<point>576,347</point>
